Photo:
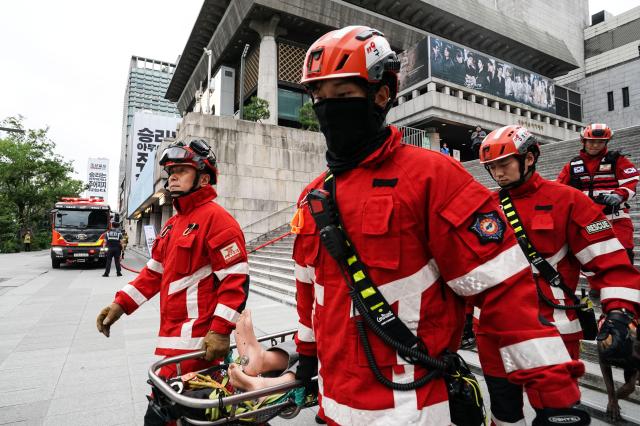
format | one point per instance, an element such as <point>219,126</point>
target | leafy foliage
<point>307,117</point>
<point>257,109</point>
<point>32,178</point>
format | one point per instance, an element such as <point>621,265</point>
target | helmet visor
<point>175,154</point>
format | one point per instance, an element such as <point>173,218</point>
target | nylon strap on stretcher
<point>545,269</point>
<point>376,305</point>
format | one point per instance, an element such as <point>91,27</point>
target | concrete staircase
<point>272,269</point>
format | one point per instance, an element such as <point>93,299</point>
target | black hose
<point>547,301</point>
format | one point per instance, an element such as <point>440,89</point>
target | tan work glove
<point>216,345</point>
<point>107,317</point>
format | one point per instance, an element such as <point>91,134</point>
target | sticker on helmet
<point>375,49</point>
<point>520,136</point>
<point>578,169</point>
<point>488,227</point>
<point>630,170</point>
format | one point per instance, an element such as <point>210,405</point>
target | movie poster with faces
<point>414,65</point>
<point>457,64</point>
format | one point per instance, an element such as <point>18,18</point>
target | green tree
<point>307,117</point>
<point>256,110</point>
<point>32,178</point>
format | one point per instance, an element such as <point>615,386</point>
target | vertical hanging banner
<point>149,236</point>
<point>98,178</point>
<point>149,130</point>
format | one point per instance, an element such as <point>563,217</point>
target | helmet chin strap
<point>194,187</point>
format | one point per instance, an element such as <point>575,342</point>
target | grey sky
<point>64,65</point>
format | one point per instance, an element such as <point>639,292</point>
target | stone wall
<point>263,168</point>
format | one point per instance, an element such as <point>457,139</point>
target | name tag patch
<point>230,252</point>
<point>578,169</point>
<point>605,167</point>
<point>598,226</point>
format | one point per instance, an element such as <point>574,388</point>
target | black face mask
<point>353,128</point>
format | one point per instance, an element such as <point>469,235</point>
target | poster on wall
<point>149,130</point>
<point>414,65</point>
<point>98,178</point>
<point>149,236</point>
<point>457,64</point>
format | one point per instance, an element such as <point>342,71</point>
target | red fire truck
<point>78,227</point>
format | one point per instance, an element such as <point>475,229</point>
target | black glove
<point>613,200</point>
<point>561,416</point>
<point>307,370</point>
<point>613,338</point>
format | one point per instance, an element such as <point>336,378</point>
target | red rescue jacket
<point>432,238</point>
<point>570,231</point>
<point>199,266</point>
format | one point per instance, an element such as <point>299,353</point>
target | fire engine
<point>78,227</point>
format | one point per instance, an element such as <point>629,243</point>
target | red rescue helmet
<point>506,141</point>
<point>596,131</point>
<point>354,51</point>
<point>197,154</point>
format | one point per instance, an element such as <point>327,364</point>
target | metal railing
<point>415,137</point>
<point>269,222</point>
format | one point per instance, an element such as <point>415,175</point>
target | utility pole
<point>242,58</point>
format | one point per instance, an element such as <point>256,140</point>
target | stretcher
<point>168,394</point>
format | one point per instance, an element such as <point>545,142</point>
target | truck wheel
<point>55,263</point>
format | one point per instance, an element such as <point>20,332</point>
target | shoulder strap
<point>365,289</point>
<point>547,271</point>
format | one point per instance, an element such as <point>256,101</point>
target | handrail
<point>286,234</point>
<point>244,228</point>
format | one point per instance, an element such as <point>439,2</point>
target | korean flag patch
<point>488,227</point>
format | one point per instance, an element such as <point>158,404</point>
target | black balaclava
<point>353,127</point>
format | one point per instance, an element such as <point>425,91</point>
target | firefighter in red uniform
<point>431,238</point>
<point>569,231</point>
<point>608,177</point>
<point>198,265</point>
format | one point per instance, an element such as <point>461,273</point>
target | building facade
<point>147,83</point>
<point>609,81</point>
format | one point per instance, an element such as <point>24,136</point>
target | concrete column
<point>495,104</point>
<point>527,114</point>
<point>507,108</point>
<point>565,124</point>
<point>431,87</point>
<point>556,122</point>
<point>156,220</point>
<point>401,100</point>
<point>485,101</point>
<point>518,111</point>
<point>416,93</point>
<point>139,237</point>
<point>472,98</point>
<point>547,120</point>
<point>573,127</point>
<point>536,117</point>
<point>447,90</point>
<point>268,63</point>
<point>460,94</point>
<point>167,212</point>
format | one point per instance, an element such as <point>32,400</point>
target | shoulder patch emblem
<point>630,170</point>
<point>488,227</point>
<point>230,252</point>
<point>599,226</point>
<point>578,169</point>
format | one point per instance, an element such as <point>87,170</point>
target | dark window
<point>562,108</point>
<point>610,100</point>
<point>575,112</point>
<point>574,98</point>
<point>561,92</point>
<point>625,97</point>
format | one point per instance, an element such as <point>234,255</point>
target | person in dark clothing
<point>114,248</point>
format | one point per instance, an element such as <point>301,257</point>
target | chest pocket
<point>184,252</point>
<point>543,234</point>
<point>380,232</point>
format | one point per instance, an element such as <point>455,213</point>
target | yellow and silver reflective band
<point>516,224</point>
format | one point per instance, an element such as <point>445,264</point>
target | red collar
<point>187,203</point>
<point>530,186</point>
<point>589,158</point>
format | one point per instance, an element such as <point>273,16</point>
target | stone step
<point>266,258</point>
<point>286,270</point>
<point>281,254</point>
<point>273,295</point>
<point>287,279</point>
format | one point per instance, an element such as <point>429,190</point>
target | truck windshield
<point>95,219</point>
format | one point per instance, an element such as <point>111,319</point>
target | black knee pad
<point>506,399</point>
